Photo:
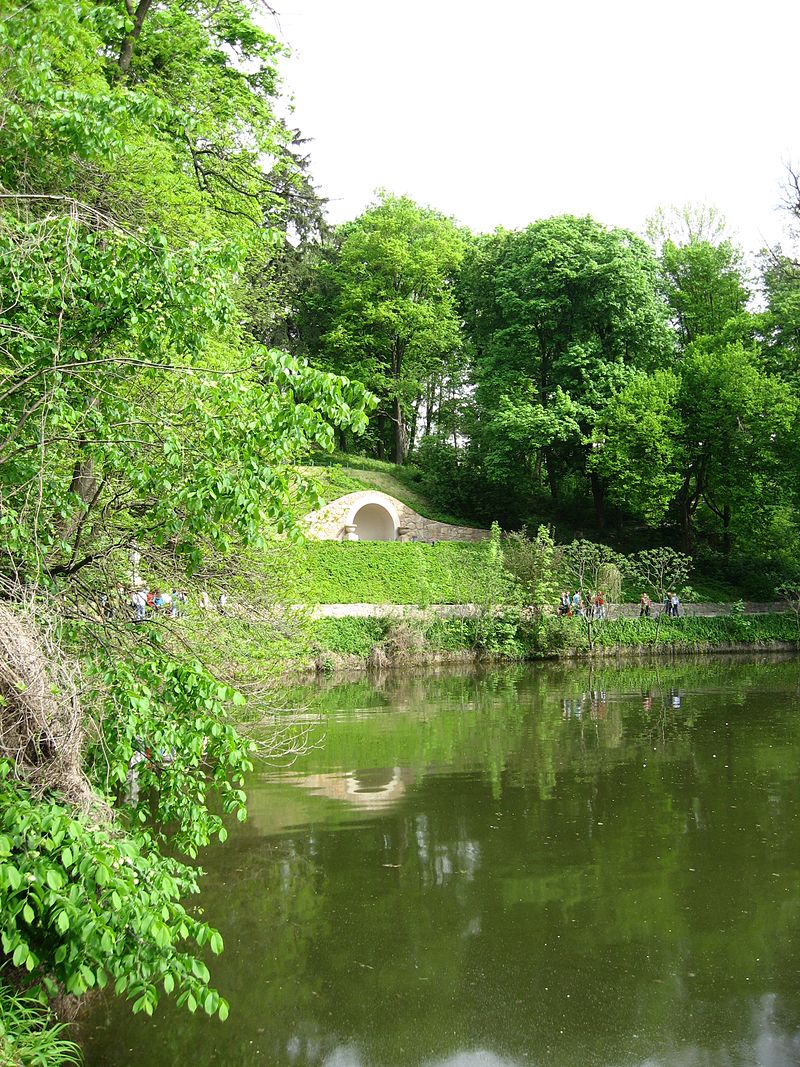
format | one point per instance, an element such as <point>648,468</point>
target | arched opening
<point>374,523</point>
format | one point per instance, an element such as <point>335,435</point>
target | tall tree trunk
<point>686,525</point>
<point>552,481</point>
<point>138,13</point>
<point>380,448</point>
<point>399,442</point>
<point>726,529</point>
<point>413,425</point>
<point>599,497</point>
<point>84,480</point>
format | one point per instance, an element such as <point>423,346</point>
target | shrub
<point>531,561</point>
<point>349,636</point>
<point>82,906</point>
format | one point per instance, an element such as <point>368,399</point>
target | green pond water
<point>543,865</point>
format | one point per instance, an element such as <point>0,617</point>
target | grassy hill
<point>382,572</point>
<point>333,572</point>
<point>340,474</point>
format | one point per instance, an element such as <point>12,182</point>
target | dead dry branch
<point>41,722</point>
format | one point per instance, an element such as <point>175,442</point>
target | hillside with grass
<point>340,473</point>
<point>384,572</point>
<point>713,579</point>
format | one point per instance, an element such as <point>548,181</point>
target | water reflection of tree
<point>561,884</point>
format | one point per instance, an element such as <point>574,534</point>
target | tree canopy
<point>383,309</point>
<point>143,170</point>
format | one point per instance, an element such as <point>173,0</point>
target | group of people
<point>594,608</point>
<point>570,605</point>
<point>670,606</point>
<point>173,604</point>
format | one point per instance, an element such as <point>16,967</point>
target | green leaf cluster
<point>83,907</point>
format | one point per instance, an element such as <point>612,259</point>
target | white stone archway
<point>373,517</point>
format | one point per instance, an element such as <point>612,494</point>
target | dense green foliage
<point>612,386</point>
<point>382,572</point>
<point>145,183</point>
<point>516,638</point>
<point>383,310</point>
<point>133,392</point>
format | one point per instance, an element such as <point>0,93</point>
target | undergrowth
<point>28,1035</point>
<point>512,636</point>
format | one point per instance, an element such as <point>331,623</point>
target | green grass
<point>29,1036</point>
<point>389,572</point>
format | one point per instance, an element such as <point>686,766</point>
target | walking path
<point>467,611</point>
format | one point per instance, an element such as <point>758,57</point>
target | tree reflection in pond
<point>507,883</point>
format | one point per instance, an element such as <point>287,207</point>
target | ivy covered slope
<point>382,572</point>
<point>375,572</point>
<point>147,190</point>
<point>378,572</point>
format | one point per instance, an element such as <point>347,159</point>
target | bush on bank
<point>509,635</point>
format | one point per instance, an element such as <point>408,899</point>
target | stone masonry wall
<point>328,523</point>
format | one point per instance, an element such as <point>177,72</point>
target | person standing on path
<point>139,603</point>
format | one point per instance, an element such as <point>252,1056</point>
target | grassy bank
<point>340,642</point>
<point>30,1036</point>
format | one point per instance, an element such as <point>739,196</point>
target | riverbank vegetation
<point>148,186</point>
<point>357,643</point>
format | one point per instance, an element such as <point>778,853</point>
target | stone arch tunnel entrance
<point>373,522</point>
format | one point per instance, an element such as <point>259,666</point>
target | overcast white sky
<point>502,112</point>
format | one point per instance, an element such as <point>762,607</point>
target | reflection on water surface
<point>520,866</point>
<point>377,787</point>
